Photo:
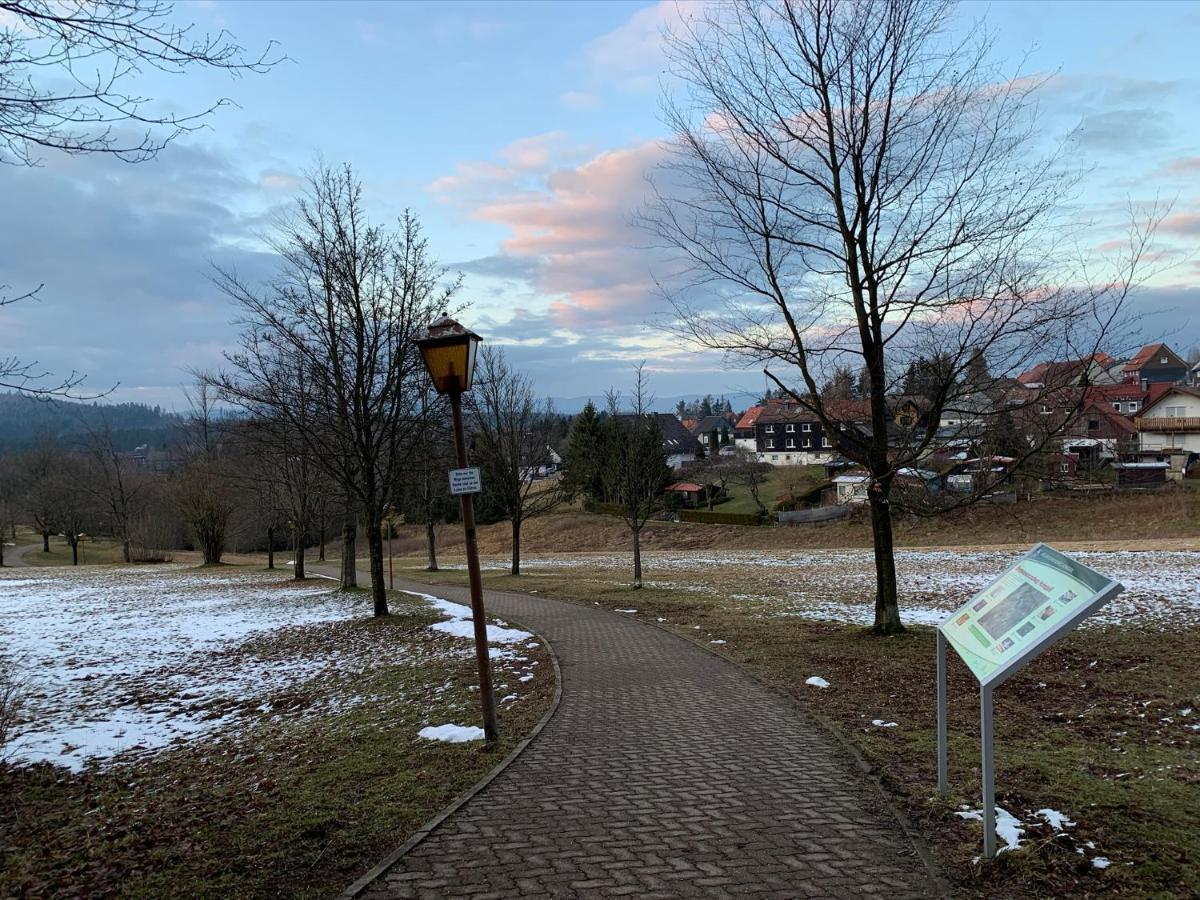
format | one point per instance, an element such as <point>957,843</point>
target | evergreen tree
<point>582,461</point>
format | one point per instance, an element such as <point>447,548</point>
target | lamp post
<point>390,520</point>
<point>448,350</point>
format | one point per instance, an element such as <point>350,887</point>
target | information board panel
<point>1034,602</point>
<point>465,481</point>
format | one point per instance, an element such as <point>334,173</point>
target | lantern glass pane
<point>446,363</point>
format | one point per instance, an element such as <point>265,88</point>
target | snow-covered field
<point>1162,589</point>
<point>125,660</point>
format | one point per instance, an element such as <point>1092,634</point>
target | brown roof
<point>749,417</point>
<point>1148,353</point>
<point>689,487</point>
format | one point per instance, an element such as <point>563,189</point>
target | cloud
<point>1181,223</point>
<point>124,254</point>
<point>1184,165</point>
<point>632,55</point>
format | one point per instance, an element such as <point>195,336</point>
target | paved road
<point>14,557</point>
<point>666,772</point>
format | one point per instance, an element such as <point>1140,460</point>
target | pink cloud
<point>1184,165</point>
<point>572,222</point>
<point>1181,223</point>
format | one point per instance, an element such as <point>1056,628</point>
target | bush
<point>720,518</point>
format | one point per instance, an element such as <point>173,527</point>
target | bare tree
<point>512,444</point>
<point>116,484</point>
<point>751,473</point>
<point>634,463</point>
<point>202,487</point>
<point>344,310</point>
<point>862,189</point>
<point>38,476</point>
<point>424,489</point>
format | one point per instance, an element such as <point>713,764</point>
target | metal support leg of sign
<point>942,752</point>
<point>988,773</point>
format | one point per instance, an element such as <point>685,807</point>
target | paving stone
<point>666,771</point>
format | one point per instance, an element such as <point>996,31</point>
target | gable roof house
<point>1093,369</point>
<point>679,444</point>
<point>1098,434</point>
<point>703,428</point>
<point>1169,430</point>
<point>1155,363</point>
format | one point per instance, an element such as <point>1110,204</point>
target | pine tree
<point>582,460</point>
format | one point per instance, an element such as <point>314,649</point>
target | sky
<point>521,134</point>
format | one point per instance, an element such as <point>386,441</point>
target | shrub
<point>720,518</point>
<point>603,509</point>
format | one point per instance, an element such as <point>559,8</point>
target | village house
<point>1155,364</point>
<point>743,431</point>
<point>787,434</point>
<point>1169,430</point>
<point>679,444</point>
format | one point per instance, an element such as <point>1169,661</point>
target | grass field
<point>1104,727</point>
<point>221,752</point>
<point>92,552</point>
<point>781,481</point>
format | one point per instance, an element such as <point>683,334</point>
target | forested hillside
<point>24,421</point>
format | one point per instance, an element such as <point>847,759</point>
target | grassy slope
<point>99,551</point>
<point>292,809</point>
<point>1061,746</point>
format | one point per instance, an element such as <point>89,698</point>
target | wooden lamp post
<point>448,350</point>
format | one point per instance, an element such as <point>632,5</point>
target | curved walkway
<point>666,772</point>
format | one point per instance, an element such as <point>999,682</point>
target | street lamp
<point>448,350</point>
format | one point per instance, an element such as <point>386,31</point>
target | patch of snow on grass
<point>1101,862</point>
<point>1008,827</point>
<point>816,681</point>
<point>625,610</point>
<point>1058,821</point>
<point>451,734</point>
<point>880,723</point>
<point>133,658</point>
<point>461,625</point>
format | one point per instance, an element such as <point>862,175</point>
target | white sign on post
<point>465,481</point>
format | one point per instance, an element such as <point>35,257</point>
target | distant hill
<point>24,421</point>
<point>572,405</point>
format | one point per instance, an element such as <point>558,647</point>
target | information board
<point>465,481</point>
<point>1033,603</point>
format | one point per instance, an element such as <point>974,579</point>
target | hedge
<point>719,518</point>
<point>603,509</point>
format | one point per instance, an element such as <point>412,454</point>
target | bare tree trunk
<point>1,554</point>
<point>45,542</point>
<point>349,538</point>
<point>74,542</point>
<point>516,545</point>
<point>887,610</point>
<point>321,538</point>
<point>431,545</point>
<point>270,546</point>
<point>125,551</point>
<point>637,558</point>
<point>375,553</point>
<point>299,567</point>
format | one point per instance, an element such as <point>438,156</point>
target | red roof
<point>685,486</point>
<point>749,417</point>
<point>1114,392</point>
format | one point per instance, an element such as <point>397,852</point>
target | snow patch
<point>880,723</point>
<point>1008,827</point>
<point>1101,862</point>
<point>816,681</point>
<point>461,625</point>
<point>451,734</point>
<point>1058,821</point>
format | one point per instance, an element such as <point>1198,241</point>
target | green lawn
<point>97,551</point>
<point>781,480</point>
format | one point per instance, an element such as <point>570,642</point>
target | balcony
<point>1169,425</point>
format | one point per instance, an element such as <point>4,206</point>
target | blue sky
<point>521,134</point>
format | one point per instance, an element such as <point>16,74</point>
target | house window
<point>807,426</point>
<point>791,428</point>
<point>1093,424</point>
<point>791,444</point>
<point>1045,410</point>
<point>1117,407</point>
<point>1162,360</point>
<point>1133,407</point>
<point>770,443</point>
<point>824,442</point>
<point>1176,412</point>
<point>1065,468</point>
<point>770,429</point>
<point>807,442</point>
